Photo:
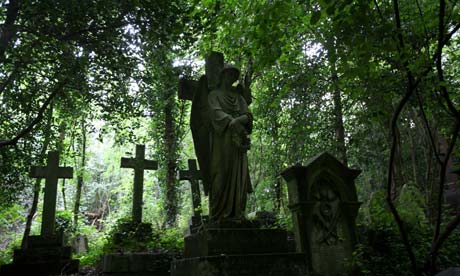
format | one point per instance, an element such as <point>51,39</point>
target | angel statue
<point>221,123</point>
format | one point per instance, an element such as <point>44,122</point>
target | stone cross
<point>194,176</point>
<point>214,63</point>
<point>52,172</point>
<point>139,164</point>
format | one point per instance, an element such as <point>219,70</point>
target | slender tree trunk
<point>76,207</point>
<point>62,133</point>
<point>337,98</point>
<point>170,141</point>
<point>36,195</point>
<point>9,29</point>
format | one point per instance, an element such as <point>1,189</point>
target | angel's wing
<point>201,126</point>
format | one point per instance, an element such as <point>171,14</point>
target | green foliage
<point>126,236</point>
<point>64,221</point>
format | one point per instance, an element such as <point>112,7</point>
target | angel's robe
<point>229,173</point>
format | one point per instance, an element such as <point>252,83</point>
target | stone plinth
<point>239,248</point>
<point>43,256</point>
<point>124,264</point>
<point>217,241</point>
<point>283,264</point>
<point>324,206</point>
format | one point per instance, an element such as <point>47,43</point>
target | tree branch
<point>444,235</point>
<point>37,119</point>
<point>427,125</point>
<point>394,121</point>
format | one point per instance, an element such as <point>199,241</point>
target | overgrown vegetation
<point>373,82</point>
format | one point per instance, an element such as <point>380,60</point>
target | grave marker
<point>194,176</point>
<point>139,164</point>
<point>52,172</point>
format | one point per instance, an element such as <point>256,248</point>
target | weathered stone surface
<point>453,271</point>
<point>287,264</point>
<point>62,267</point>
<point>137,264</point>
<point>80,244</point>
<point>43,256</point>
<point>217,241</point>
<point>50,241</point>
<point>324,206</point>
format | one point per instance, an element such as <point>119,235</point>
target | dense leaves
<point>373,82</point>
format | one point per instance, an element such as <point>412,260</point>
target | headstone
<point>136,260</point>
<point>139,164</point>
<point>193,175</point>
<point>324,206</point>
<point>45,254</point>
<point>80,244</point>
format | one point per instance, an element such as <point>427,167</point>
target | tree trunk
<point>62,132</point>
<point>36,195</point>
<point>170,141</point>
<point>337,98</point>
<point>9,28</point>
<point>80,174</point>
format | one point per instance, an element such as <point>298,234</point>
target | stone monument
<point>228,244</point>
<point>193,175</point>
<point>136,263</point>
<point>324,206</point>
<point>45,254</point>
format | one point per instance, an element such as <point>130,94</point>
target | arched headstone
<point>324,206</point>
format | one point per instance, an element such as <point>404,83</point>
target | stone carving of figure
<point>230,125</point>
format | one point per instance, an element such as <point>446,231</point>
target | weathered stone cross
<point>52,172</point>
<point>139,164</point>
<point>194,176</point>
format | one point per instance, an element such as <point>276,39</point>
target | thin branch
<point>441,27</point>
<point>438,239</point>
<point>37,119</point>
<point>424,25</point>
<point>443,177</point>
<point>427,125</point>
<point>444,235</point>
<point>394,121</point>
<point>379,11</point>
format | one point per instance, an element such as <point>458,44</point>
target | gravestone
<point>80,244</point>
<point>136,263</point>
<point>45,254</point>
<point>324,206</point>
<point>139,164</point>
<point>227,243</point>
<point>193,175</point>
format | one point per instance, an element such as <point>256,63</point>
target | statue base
<point>43,256</point>
<point>211,241</point>
<point>277,264</point>
<point>118,264</point>
<point>238,248</point>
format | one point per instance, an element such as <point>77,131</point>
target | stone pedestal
<point>324,206</point>
<point>282,264</point>
<point>127,264</point>
<point>238,249</point>
<point>135,236</point>
<point>43,256</point>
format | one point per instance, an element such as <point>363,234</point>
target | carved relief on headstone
<point>324,207</point>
